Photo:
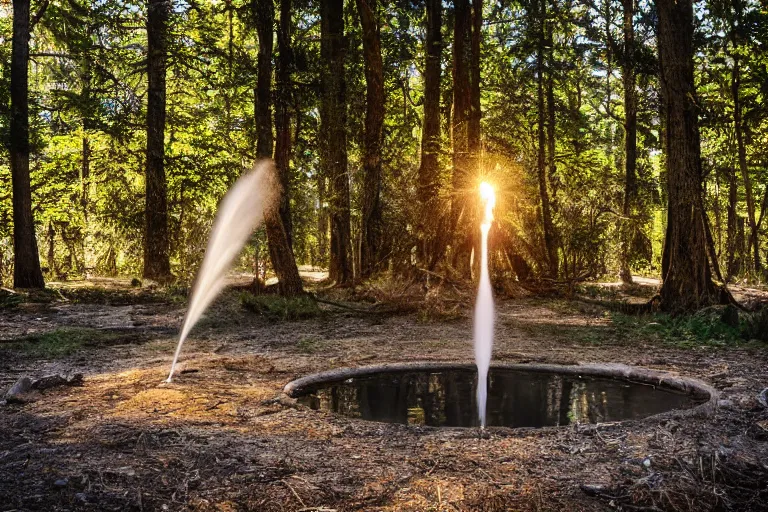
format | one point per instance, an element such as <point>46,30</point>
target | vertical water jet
<point>484,308</point>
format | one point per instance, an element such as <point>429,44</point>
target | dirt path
<point>222,437</point>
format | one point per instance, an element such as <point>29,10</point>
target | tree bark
<point>687,282</point>
<point>429,170</point>
<point>26,269</point>
<point>156,243</point>
<point>333,137</point>
<point>461,118</point>
<point>370,246</point>
<point>546,212</point>
<point>630,137</point>
<point>280,253</point>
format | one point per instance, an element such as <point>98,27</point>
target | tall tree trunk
<point>323,218</point>
<point>26,269</point>
<point>687,282</point>
<point>156,244</point>
<point>732,267</point>
<point>333,136</point>
<point>429,170</point>
<point>475,115</point>
<point>370,246</point>
<point>474,141</point>
<point>280,253</point>
<point>284,100</point>
<point>546,212</point>
<point>743,168</point>
<point>711,249</point>
<point>264,14</point>
<point>551,121</point>
<point>630,137</point>
<point>461,118</point>
<point>85,167</point>
<point>52,267</point>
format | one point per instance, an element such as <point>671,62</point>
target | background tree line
<point>622,136</point>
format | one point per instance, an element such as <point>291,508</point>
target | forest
<point>575,190</point>
<point>124,124</point>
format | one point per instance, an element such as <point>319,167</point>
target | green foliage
<point>124,296</point>
<point>705,327</point>
<point>61,342</point>
<point>9,299</point>
<point>275,307</point>
<point>310,345</point>
<point>754,326</point>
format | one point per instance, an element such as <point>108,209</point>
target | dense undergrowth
<point>706,327</point>
<point>276,307</point>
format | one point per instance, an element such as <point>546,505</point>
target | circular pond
<point>439,394</point>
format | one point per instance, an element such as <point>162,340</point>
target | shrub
<point>281,308</point>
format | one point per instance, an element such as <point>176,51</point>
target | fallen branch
<point>344,306</point>
<point>303,505</point>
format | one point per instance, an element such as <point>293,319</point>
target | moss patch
<point>63,341</point>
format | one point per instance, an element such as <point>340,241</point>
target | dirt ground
<point>223,437</point>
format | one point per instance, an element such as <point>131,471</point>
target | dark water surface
<point>515,398</point>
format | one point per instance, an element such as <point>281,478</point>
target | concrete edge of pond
<point>666,380</point>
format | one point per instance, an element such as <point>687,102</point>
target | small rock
<point>725,404</point>
<point>61,482</point>
<point>21,387</point>
<point>763,397</point>
<point>593,489</point>
<point>127,471</point>
<point>81,497</point>
<point>647,462</point>
<point>52,381</point>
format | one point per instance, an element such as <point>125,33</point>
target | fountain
<point>484,313</point>
<point>241,211</point>
<point>513,395</point>
<point>446,394</point>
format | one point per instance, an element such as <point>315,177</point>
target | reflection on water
<point>515,398</point>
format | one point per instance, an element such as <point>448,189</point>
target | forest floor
<point>223,437</point>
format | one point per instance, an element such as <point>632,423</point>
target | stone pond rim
<point>692,387</point>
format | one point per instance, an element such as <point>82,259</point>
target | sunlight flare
<point>488,196</point>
